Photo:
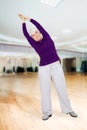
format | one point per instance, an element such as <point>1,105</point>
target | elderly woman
<point>49,68</point>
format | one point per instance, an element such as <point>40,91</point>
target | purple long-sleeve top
<point>45,48</point>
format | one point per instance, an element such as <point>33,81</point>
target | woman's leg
<point>59,82</point>
<point>45,79</point>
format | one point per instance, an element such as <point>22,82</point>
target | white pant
<point>55,72</point>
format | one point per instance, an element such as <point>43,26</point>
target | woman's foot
<point>45,116</point>
<point>73,114</point>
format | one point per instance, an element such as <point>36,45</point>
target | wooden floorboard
<point>20,103</point>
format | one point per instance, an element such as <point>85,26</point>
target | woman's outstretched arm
<point>24,28</point>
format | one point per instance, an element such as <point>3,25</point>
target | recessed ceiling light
<point>52,3</point>
<point>67,31</point>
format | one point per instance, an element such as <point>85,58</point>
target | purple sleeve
<point>26,34</point>
<point>39,27</point>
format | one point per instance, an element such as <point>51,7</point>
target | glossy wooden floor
<point>20,104</point>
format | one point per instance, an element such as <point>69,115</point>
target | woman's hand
<point>24,18</point>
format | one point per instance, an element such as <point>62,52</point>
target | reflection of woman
<point>49,67</point>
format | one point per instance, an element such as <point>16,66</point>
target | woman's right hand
<point>24,18</point>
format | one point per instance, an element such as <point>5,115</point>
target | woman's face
<point>37,36</point>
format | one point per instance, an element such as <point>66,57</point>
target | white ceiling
<point>67,23</point>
